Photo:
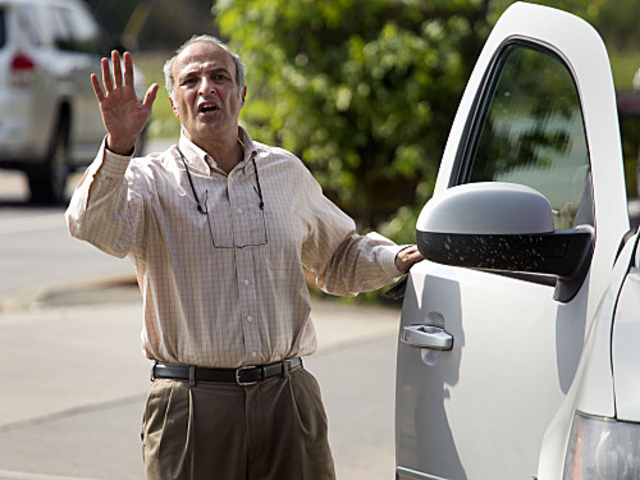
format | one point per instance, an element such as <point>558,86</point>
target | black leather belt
<point>243,376</point>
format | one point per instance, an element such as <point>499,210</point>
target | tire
<point>48,180</point>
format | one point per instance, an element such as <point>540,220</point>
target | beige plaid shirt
<point>227,288</point>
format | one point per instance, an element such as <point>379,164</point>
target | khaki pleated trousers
<point>273,430</point>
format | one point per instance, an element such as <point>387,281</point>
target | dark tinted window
<point>3,34</point>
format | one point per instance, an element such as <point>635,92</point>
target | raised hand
<point>123,115</point>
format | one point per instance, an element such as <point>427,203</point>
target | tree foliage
<point>364,91</point>
<point>154,24</point>
<point>616,20</point>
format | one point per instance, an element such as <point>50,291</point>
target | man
<point>219,228</point>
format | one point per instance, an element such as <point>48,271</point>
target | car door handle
<point>427,336</point>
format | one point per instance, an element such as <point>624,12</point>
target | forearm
<point>99,211</point>
<point>360,264</point>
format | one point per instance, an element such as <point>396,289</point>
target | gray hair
<point>168,66</point>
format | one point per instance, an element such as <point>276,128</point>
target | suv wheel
<point>48,181</point>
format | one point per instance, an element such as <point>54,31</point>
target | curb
<point>69,293</point>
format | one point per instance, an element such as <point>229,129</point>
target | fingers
<point>150,97</point>
<point>414,257</point>
<point>128,69</point>
<point>411,255</point>
<point>117,68</point>
<point>106,76</point>
<point>114,81</point>
<point>407,257</point>
<point>111,82</point>
<point>97,88</point>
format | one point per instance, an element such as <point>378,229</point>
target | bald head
<point>168,66</point>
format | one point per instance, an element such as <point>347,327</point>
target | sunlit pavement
<point>74,379</point>
<point>74,383</point>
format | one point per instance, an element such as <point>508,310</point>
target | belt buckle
<point>239,371</point>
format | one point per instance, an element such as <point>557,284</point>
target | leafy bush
<point>364,91</point>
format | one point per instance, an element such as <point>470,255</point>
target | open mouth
<point>207,108</point>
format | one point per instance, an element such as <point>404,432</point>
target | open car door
<point>527,217</point>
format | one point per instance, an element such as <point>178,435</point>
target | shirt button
<point>245,282</point>
<point>254,354</point>
<point>250,319</point>
<point>239,211</point>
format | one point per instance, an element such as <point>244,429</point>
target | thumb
<point>150,96</point>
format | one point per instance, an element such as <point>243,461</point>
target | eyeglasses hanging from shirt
<point>257,234</point>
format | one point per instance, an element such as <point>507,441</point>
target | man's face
<point>206,96</point>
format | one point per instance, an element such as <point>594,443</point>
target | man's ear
<point>174,107</point>
<point>244,95</point>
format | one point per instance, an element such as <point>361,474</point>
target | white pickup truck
<point>519,345</point>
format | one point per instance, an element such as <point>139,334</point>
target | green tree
<point>364,91</point>
<point>153,24</point>
<point>587,9</point>
<point>618,22</point>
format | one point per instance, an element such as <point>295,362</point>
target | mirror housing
<point>504,228</point>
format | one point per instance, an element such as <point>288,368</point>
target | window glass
<point>28,22</point>
<point>86,34</point>
<point>3,31</point>
<point>60,33</point>
<point>532,133</point>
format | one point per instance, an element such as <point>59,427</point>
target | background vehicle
<point>49,121</point>
<point>518,352</point>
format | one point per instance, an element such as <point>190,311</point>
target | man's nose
<point>207,87</point>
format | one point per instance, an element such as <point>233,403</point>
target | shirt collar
<point>204,163</point>
<point>245,140</point>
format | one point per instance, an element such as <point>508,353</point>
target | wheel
<point>48,180</point>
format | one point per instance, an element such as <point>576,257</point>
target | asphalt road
<point>74,379</point>
<point>74,383</point>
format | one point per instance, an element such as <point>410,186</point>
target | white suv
<point>49,122</point>
<point>519,346</point>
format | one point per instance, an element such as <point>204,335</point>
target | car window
<point>60,33</point>
<point>86,34</point>
<point>3,36</point>
<point>28,22</point>
<point>531,132</point>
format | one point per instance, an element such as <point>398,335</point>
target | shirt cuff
<point>394,251</point>
<point>387,255</point>
<point>112,164</point>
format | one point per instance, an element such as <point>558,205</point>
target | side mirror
<point>506,228</point>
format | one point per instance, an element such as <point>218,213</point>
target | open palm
<point>123,115</point>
